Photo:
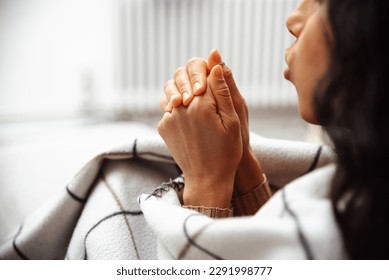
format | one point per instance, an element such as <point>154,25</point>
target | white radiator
<point>154,37</point>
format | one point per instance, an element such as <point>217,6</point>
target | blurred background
<point>109,59</point>
<point>79,75</point>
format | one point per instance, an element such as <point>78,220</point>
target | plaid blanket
<point>125,204</point>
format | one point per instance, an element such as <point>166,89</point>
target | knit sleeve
<point>213,212</point>
<point>249,203</point>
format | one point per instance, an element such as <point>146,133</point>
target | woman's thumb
<point>221,93</point>
<point>214,58</point>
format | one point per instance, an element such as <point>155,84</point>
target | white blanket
<point>101,215</point>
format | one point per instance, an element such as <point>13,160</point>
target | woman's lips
<point>287,69</point>
<point>287,72</point>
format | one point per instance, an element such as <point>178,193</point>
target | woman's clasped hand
<point>205,126</point>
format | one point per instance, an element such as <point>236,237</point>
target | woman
<point>338,65</point>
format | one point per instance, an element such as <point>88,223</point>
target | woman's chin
<point>308,116</point>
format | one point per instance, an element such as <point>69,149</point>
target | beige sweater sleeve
<point>213,212</point>
<point>249,203</point>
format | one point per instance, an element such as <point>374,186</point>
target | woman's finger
<point>181,78</point>
<point>197,69</point>
<point>164,104</point>
<point>222,95</point>
<point>214,58</point>
<point>172,97</point>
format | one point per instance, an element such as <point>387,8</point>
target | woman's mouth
<point>287,70</point>
<point>288,54</point>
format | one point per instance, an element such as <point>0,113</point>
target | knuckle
<point>196,76</point>
<point>193,61</point>
<point>197,69</point>
<point>168,85</point>
<point>223,90</point>
<point>179,71</point>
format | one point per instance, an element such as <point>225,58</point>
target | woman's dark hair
<point>352,104</point>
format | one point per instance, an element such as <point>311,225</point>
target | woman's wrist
<point>208,192</point>
<point>249,174</point>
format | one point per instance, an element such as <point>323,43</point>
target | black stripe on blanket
<point>315,160</point>
<point>118,202</point>
<point>303,240</point>
<point>131,213</point>
<point>74,196</point>
<point>17,250</point>
<point>191,241</point>
<point>134,152</point>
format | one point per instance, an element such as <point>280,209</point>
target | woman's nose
<point>295,23</point>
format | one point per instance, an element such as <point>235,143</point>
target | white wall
<point>54,54</point>
<point>63,58</point>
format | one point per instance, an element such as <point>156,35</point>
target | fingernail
<point>185,96</point>
<point>218,57</point>
<point>196,86</point>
